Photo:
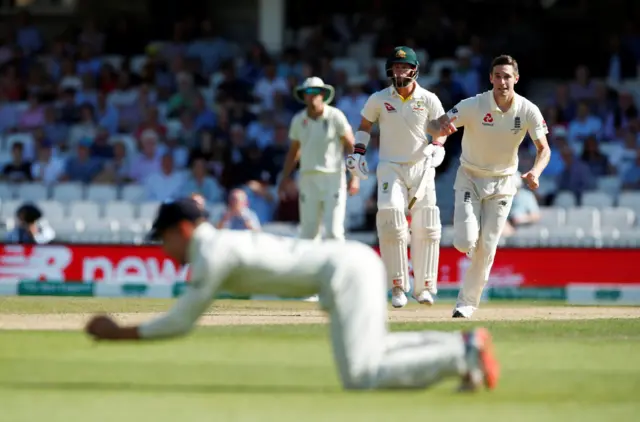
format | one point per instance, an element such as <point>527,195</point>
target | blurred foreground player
<point>350,280</point>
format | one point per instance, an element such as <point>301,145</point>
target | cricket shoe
<point>483,368</point>
<point>424,298</point>
<point>398,298</point>
<point>463,311</point>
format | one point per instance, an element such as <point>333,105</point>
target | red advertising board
<point>148,264</point>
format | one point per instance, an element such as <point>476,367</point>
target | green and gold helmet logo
<point>401,54</point>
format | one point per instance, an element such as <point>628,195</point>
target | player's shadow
<point>168,388</point>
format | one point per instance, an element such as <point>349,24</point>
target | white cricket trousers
<point>482,205</point>
<point>368,356</point>
<point>323,202</point>
<point>397,183</point>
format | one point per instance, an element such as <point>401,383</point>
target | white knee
<point>464,241</point>
<point>392,225</point>
<point>425,223</point>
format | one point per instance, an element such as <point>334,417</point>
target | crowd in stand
<point>193,118</point>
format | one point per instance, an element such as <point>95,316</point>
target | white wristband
<point>362,137</point>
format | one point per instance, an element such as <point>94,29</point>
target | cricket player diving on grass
<point>350,280</point>
<point>495,123</point>
<point>403,111</point>
<point>320,138</point>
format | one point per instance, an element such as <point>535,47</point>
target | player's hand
<point>354,186</point>
<point>357,164</point>
<point>532,180</point>
<point>102,327</point>
<point>446,125</point>
<point>436,152</point>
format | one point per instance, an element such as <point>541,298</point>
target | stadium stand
<point>82,127</point>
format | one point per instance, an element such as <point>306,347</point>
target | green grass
<point>553,371</point>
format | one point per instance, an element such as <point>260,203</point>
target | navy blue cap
<point>173,212</point>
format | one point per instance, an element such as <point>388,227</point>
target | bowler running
<point>495,123</point>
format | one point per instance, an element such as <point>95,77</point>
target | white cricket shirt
<point>251,263</point>
<point>403,122</point>
<point>491,137</point>
<point>320,147</point>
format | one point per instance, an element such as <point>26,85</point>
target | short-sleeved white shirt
<point>403,122</point>
<point>491,137</point>
<point>320,147</point>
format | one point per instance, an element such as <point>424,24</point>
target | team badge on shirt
<point>418,106</point>
<point>390,108</point>
<point>516,125</point>
<point>454,111</point>
<point>487,120</point>
<point>385,186</point>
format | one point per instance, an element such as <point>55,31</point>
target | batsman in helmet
<point>407,156</point>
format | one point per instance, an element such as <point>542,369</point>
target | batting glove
<point>436,152</point>
<point>357,164</point>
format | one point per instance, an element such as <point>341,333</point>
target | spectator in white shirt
<point>269,85</point>
<point>584,125</point>
<point>164,184</point>
<point>353,102</point>
<point>47,169</point>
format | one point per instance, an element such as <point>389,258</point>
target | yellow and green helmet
<point>403,54</point>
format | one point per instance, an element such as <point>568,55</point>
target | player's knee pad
<point>464,240</point>
<point>425,223</point>
<point>392,224</point>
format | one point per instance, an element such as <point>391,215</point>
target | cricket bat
<point>422,187</point>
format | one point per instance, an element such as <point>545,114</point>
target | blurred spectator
<point>107,79</point>
<point>199,182</point>
<point>47,169</point>
<point>118,170</point>
<point>268,85</point>
<point>631,178</point>
<point>620,62</point>
<point>18,170</point>
<point>70,78</point>
<point>33,116</point>
<point>622,114</point>
<point>449,91</point>
<point>261,131</point>
<point>205,117</point>
<point>582,88</point>
<point>148,160</point>
<point>576,177</point>
<point>231,86</point>
<point>30,228</point>
<point>595,159</point>
<point>177,46</point>
<point>88,63</point>
<point>8,115</point>
<point>88,94</point>
<point>68,111</point>
<point>585,124</point>
<point>602,104</point>
<point>165,184</point>
<point>238,215</point>
<point>101,148</point>
<point>290,64</point>
<point>566,106</point>
<point>151,121</point>
<point>353,102</point>
<point>274,154</point>
<point>180,153</point>
<point>106,114</point>
<point>39,84</point>
<point>10,84</point>
<point>262,199</point>
<point>465,74</point>
<point>86,127</point>
<point>187,133</point>
<point>256,58</point>
<point>525,210</point>
<point>210,48</point>
<point>28,36</point>
<point>54,130</point>
<point>623,158</point>
<point>82,167</point>
<point>185,98</point>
